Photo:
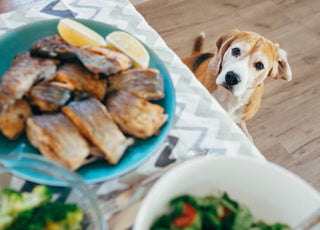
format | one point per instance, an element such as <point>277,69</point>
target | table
<point>201,126</point>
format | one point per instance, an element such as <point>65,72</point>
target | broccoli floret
<point>66,216</point>
<point>23,220</point>
<point>34,211</point>
<point>10,201</point>
<point>71,221</point>
<point>5,221</point>
<point>50,216</point>
<point>39,195</point>
<point>14,202</point>
<point>42,191</point>
<point>74,218</point>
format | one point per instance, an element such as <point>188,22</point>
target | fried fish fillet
<point>58,139</point>
<point>144,83</point>
<point>80,79</point>
<point>23,73</point>
<point>134,115</point>
<point>123,59</point>
<point>96,124</point>
<point>55,47</point>
<point>12,121</point>
<point>49,96</point>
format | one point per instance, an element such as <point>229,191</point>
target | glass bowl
<point>15,167</point>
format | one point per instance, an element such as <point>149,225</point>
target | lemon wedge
<point>78,34</point>
<point>129,45</point>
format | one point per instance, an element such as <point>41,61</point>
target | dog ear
<point>222,43</point>
<point>281,68</point>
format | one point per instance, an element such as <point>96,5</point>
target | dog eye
<point>259,66</point>
<point>236,52</point>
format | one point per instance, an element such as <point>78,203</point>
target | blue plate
<point>21,39</point>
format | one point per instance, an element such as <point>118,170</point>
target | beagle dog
<point>234,75</point>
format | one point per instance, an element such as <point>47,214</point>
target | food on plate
<point>36,210</point>
<point>210,212</point>
<point>49,96</point>
<point>123,59</point>
<point>134,115</point>
<point>144,83</point>
<point>80,79</point>
<point>23,73</point>
<point>57,138</point>
<point>58,90</point>
<point>130,46</point>
<point>78,34</point>
<point>12,121</point>
<point>96,124</point>
<point>55,47</point>
<point>81,95</point>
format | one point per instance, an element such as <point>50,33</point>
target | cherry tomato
<point>187,217</point>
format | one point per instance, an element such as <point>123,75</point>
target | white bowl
<point>272,193</point>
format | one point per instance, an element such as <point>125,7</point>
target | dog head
<point>244,59</point>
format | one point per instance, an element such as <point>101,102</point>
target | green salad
<point>35,211</point>
<point>210,212</point>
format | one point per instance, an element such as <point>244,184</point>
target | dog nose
<point>232,78</point>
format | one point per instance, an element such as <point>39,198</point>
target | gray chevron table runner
<point>201,126</point>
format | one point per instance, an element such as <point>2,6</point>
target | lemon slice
<point>78,34</point>
<point>129,45</point>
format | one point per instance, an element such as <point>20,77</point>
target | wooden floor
<point>286,129</point>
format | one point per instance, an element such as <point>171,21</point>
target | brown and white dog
<point>234,75</point>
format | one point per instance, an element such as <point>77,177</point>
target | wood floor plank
<point>296,39</point>
<point>308,166</point>
<point>298,10</point>
<point>279,155</point>
<point>303,133</point>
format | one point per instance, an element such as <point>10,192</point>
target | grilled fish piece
<point>49,96</point>
<point>12,121</point>
<point>81,96</point>
<point>96,152</point>
<point>134,115</point>
<point>147,84</point>
<point>80,79</point>
<point>58,139</point>
<point>55,47</point>
<point>23,73</point>
<point>123,59</point>
<point>95,123</point>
